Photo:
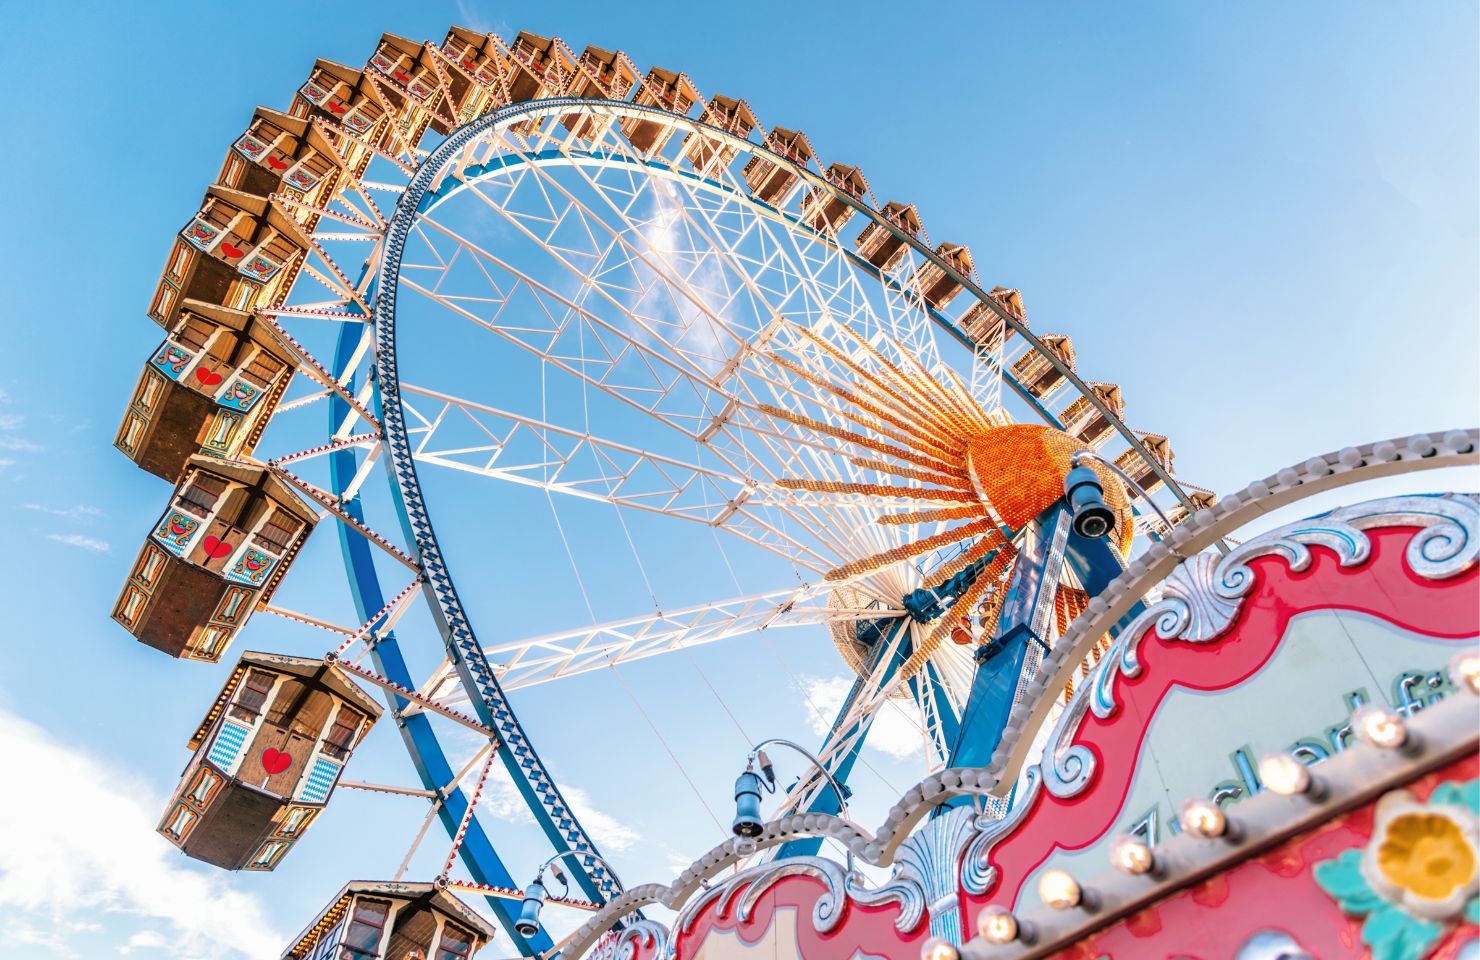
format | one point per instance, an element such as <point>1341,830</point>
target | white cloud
<point>76,512</point>
<point>78,540</point>
<point>503,800</point>
<point>896,728</point>
<point>145,940</point>
<point>6,462</point>
<point>90,848</point>
<point>18,444</point>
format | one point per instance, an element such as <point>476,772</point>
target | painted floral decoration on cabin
<point>1418,874</point>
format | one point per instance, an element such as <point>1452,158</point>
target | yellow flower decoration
<point>1423,857</point>
<point>1426,854</point>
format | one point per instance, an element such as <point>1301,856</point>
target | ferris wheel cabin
<point>230,532</point>
<point>936,286</point>
<point>209,388</point>
<point>879,246</point>
<point>729,114</point>
<point>281,154</point>
<point>1037,373</point>
<point>343,96</point>
<point>599,75</point>
<point>479,75</point>
<point>668,89</point>
<point>1084,421</point>
<point>772,182</point>
<point>1139,470</point>
<point>827,213</point>
<point>984,326</point>
<point>407,79</point>
<point>267,757</point>
<point>237,252</point>
<point>392,921</point>
<point>541,67</point>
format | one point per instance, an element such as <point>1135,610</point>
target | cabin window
<point>362,939</point>
<point>253,694</point>
<point>342,735</point>
<point>195,332</point>
<point>456,944</point>
<point>287,699</point>
<point>200,497</point>
<point>275,534</point>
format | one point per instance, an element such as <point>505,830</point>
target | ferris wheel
<point>492,272</point>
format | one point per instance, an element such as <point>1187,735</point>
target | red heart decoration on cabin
<point>275,761</point>
<point>215,547</point>
<point>336,107</point>
<point>400,76</point>
<point>276,164</point>
<point>207,377</point>
<point>230,251</point>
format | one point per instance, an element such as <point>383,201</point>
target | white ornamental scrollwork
<point>745,889</point>
<point>1202,597</point>
<point>641,934</point>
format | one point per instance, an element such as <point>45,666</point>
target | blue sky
<point>1261,221</point>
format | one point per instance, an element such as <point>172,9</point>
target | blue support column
<point>478,853</point>
<point>1025,618</point>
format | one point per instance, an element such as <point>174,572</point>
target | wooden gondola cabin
<point>1084,421</point>
<point>1037,373</point>
<point>824,211</point>
<point>772,182</point>
<point>267,757</point>
<point>281,154</point>
<point>238,252</point>
<point>392,921</point>
<point>209,388</point>
<point>230,532</point>
<point>879,245</point>
<point>1139,470</point>
<point>937,287</point>
<point>408,79</point>
<point>342,96</point>
<point>666,90</point>
<point>540,67</point>
<point>985,326</point>
<point>599,75</point>
<point>1201,500</point>
<point>479,76</point>
<point>708,153</point>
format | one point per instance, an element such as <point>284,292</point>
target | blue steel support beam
<point>1026,614</point>
<point>478,854</point>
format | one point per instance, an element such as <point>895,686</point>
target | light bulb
<point>1132,856</point>
<point>1379,726</point>
<point>1284,774</point>
<point>744,846</point>
<point>938,948</point>
<point>1464,670</point>
<point>1203,818</point>
<point>1059,890</point>
<point>997,925</point>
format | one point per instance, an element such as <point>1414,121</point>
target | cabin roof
<point>795,138</point>
<point>350,75</point>
<point>248,471</point>
<point>436,898</point>
<point>1062,344</point>
<point>677,78</point>
<point>904,215</point>
<point>1109,393</point>
<point>305,667</point>
<point>735,107</point>
<point>1012,299</point>
<point>410,48</point>
<point>849,176</point>
<point>296,126</point>
<point>957,255</point>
